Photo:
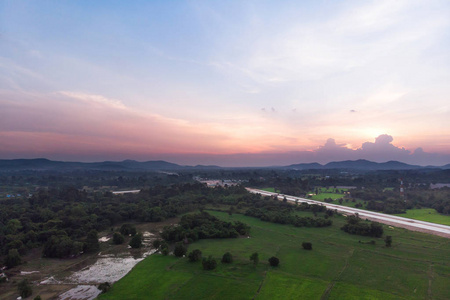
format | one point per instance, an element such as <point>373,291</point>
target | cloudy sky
<point>225,82</point>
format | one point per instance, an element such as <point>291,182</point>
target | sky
<point>230,83</point>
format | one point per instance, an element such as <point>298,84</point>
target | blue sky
<point>210,81</point>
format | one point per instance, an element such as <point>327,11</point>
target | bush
<point>227,258</point>
<point>307,245</point>
<point>274,261</point>
<point>136,241</point>
<point>118,238</point>
<point>254,258</point>
<point>209,263</point>
<point>104,287</point>
<point>38,297</point>
<point>156,243</point>
<point>195,255</point>
<point>128,229</point>
<point>165,251</point>
<point>388,240</point>
<point>92,243</point>
<point>13,259</point>
<point>179,250</point>
<point>24,289</point>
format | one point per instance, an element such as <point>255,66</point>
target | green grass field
<point>323,196</point>
<point>270,189</point>
<point>417,266</point>
<point>426,214</point>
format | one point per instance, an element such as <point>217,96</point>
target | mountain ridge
<point>156,165</point>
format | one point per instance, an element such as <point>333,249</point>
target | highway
<point>416,225</point>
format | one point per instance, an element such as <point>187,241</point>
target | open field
<point>322,196</point>
<point>270,189</point>
<point>338,267</point>
<point>426,214</point>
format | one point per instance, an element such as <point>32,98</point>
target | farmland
<point>339,266</point>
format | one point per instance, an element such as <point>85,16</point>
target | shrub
<point>388,240</point>
<point>195,255</point>
<point>274,261</point>
<point>13,259</point>
<point>24,289</point>
<point>128,229</point>
<point>307,245</point>
<point>38,297</point>
<point>165,251</point>
<point>156,243</point>
<point>254,258</point>
<point>179,250</point>
<point>209,263</point>
<point>136,241</point>
<point>118,238</point>
<point>227,258</point>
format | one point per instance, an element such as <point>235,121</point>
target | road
<point>416,225</point>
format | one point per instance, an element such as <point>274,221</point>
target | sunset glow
<point>234,83</point>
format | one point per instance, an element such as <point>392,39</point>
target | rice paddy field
<point>340,266</point>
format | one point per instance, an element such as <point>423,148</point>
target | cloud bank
<point>85,127</point>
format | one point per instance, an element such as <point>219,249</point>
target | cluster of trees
<point>355,225</point>
<point>59,219</point>
<point>202,225</point>
<point>283,213</point>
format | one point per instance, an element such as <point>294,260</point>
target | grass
<point>338,267</point>
<point>270,189</point>
<point>426,214</point>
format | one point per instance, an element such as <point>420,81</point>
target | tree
<point>179,250</point>
<point>209,263</point>
<point>118,238</point>
<point>388,241</point>
<point>227,258</point>
<point>254,258</point>
<point>274,261</point>
<point>12,259</point>
<point>24,288</point>
<point>307,245</point>
<point>128,229</point>
<point>156,244</point>
<point>195,255</point>
<point>136,241</point>
<point>92,243</point>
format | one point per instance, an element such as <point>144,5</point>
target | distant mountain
<point>311,166</point>
<point>45,164</point>
<point>160,165</point>
<point>360,164</point>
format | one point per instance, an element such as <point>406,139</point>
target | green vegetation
<point>270,189</point>
<point>136,241</point>
<point>426,214</point>
<point>195,255</point>
<point>227,258</point>
<point>118,238</point>
<point>24,288</point>
<point>416,266</point>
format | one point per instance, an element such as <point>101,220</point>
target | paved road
<point>416,225</point>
